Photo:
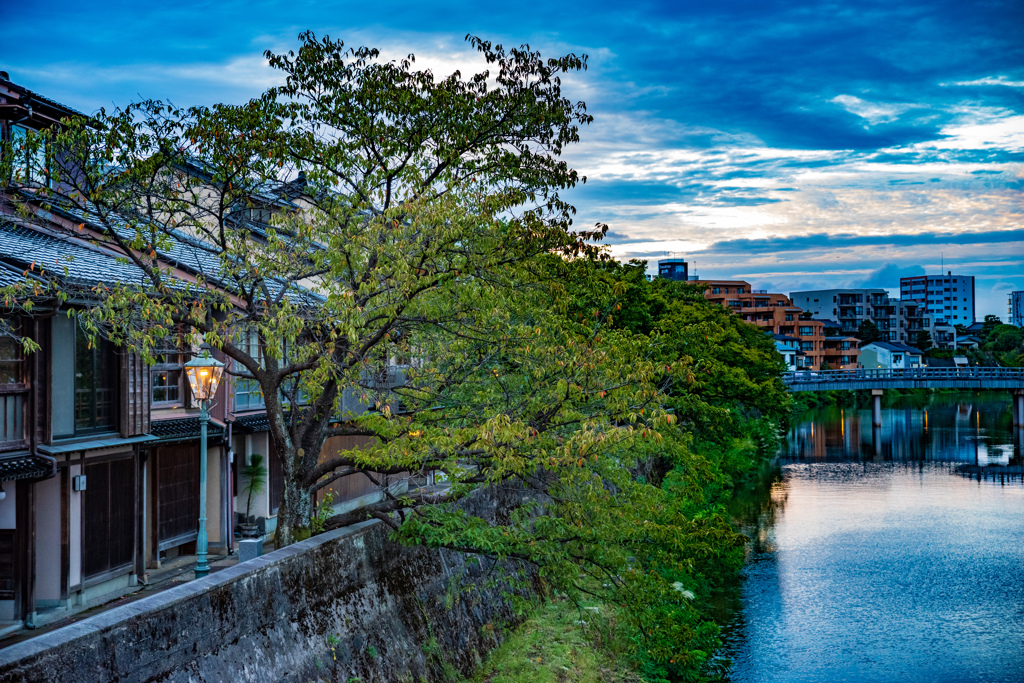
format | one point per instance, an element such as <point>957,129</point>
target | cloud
<point>988,80</point>
<point>888,274</point>
<point>874,112</point>
<point>794,143</point>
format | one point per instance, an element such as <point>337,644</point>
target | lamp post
<point>204,374</point>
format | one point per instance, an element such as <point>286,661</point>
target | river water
<point>877,557</point>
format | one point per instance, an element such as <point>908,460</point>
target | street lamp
<point>203,376</point>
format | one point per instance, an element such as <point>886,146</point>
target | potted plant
<point>255,474</point>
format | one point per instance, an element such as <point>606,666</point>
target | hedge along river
<point>896,556</point>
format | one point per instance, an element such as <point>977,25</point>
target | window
<point>83,381</point>
<point>28,167</point>
<point>248,395</point>
<point>806,331</point>
<point>716,290</point>
<point>166,377</point>
<point>13,390</point>
<point>95,385</point>
<point>740,290</point>
<point>789,316</point>
<point>11,361</point>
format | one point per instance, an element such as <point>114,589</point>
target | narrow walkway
<point>174,573</point>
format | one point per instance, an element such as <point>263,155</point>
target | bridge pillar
<point>876,407</point>
<point>1017,396</point>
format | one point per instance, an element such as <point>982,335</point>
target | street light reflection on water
<point>896,556</point>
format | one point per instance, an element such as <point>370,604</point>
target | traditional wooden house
<point>99,453</point>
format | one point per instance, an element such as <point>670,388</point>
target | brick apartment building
<point>776,314</point>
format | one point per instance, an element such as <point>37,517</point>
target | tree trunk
<point>293,517</point>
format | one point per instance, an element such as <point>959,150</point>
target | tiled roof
<point>26,466</point>
<point>184,429</point>
<point>186,252</point>
<point>893,346</point>
<point>253,423</point>
<point>69,260</point>
<point>25,92</point>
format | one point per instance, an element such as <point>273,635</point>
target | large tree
<point>361,211</point>
<point>427,224</point>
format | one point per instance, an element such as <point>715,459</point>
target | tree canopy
<point>367,214</point>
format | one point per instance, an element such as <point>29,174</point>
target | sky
<point>796,145</point>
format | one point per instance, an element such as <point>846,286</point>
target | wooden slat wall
<point>356,485</point>
<point>135,395</point>
<point>40,380</point>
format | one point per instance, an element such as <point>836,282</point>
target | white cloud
<point>1006,133</point>
<point>873,112</point>
<point>988,80</point>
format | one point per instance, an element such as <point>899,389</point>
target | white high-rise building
<point>1016,309</point>
<point>946,297</point>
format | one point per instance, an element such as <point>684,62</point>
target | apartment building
<point>898,320</point>
<point>773,312</point>
<point>1015,312</point>
<point>946,297</point>
<point>674,269</point>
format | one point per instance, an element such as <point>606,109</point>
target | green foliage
<point>1001,344</point>
<point>868,332</point>
<point>561,641</point>
<point>255,475</point>
<point>923,340</point>
<point>429,225</point>
<point>323,512</point>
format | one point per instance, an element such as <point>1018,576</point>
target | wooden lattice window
<point>108,539</point>
<point>6,564</point>
<point>13,389</point>
<point>177,480</point>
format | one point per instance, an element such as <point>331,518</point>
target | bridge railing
<point>839,376</point>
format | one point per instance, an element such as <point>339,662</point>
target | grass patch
<point>552,646</point>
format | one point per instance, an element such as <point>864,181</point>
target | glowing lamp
<point>204,374</point>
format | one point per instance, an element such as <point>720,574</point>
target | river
<point>887,561</point>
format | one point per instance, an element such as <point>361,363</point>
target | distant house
<point>890,356</point>
<point>789,348</point>
<point>967,341</point>
<point>975,328</point>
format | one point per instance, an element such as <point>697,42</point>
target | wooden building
<point>99,453</point>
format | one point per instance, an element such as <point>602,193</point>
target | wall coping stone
<point>118,615</point>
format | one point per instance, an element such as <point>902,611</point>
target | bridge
<point>912,378</point>
<point>877,381</point>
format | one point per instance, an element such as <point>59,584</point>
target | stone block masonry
<point>348,604</point>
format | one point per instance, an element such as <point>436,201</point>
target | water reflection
<point>873,558</point>
<point>974,429</point>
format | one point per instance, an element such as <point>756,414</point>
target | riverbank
<point>560,641</point>
<point>807,400</point>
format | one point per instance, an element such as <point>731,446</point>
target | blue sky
<point>793,144</point>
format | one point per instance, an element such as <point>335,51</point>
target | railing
<point>839,376</point>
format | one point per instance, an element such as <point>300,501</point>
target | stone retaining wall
<point>348,604</point>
